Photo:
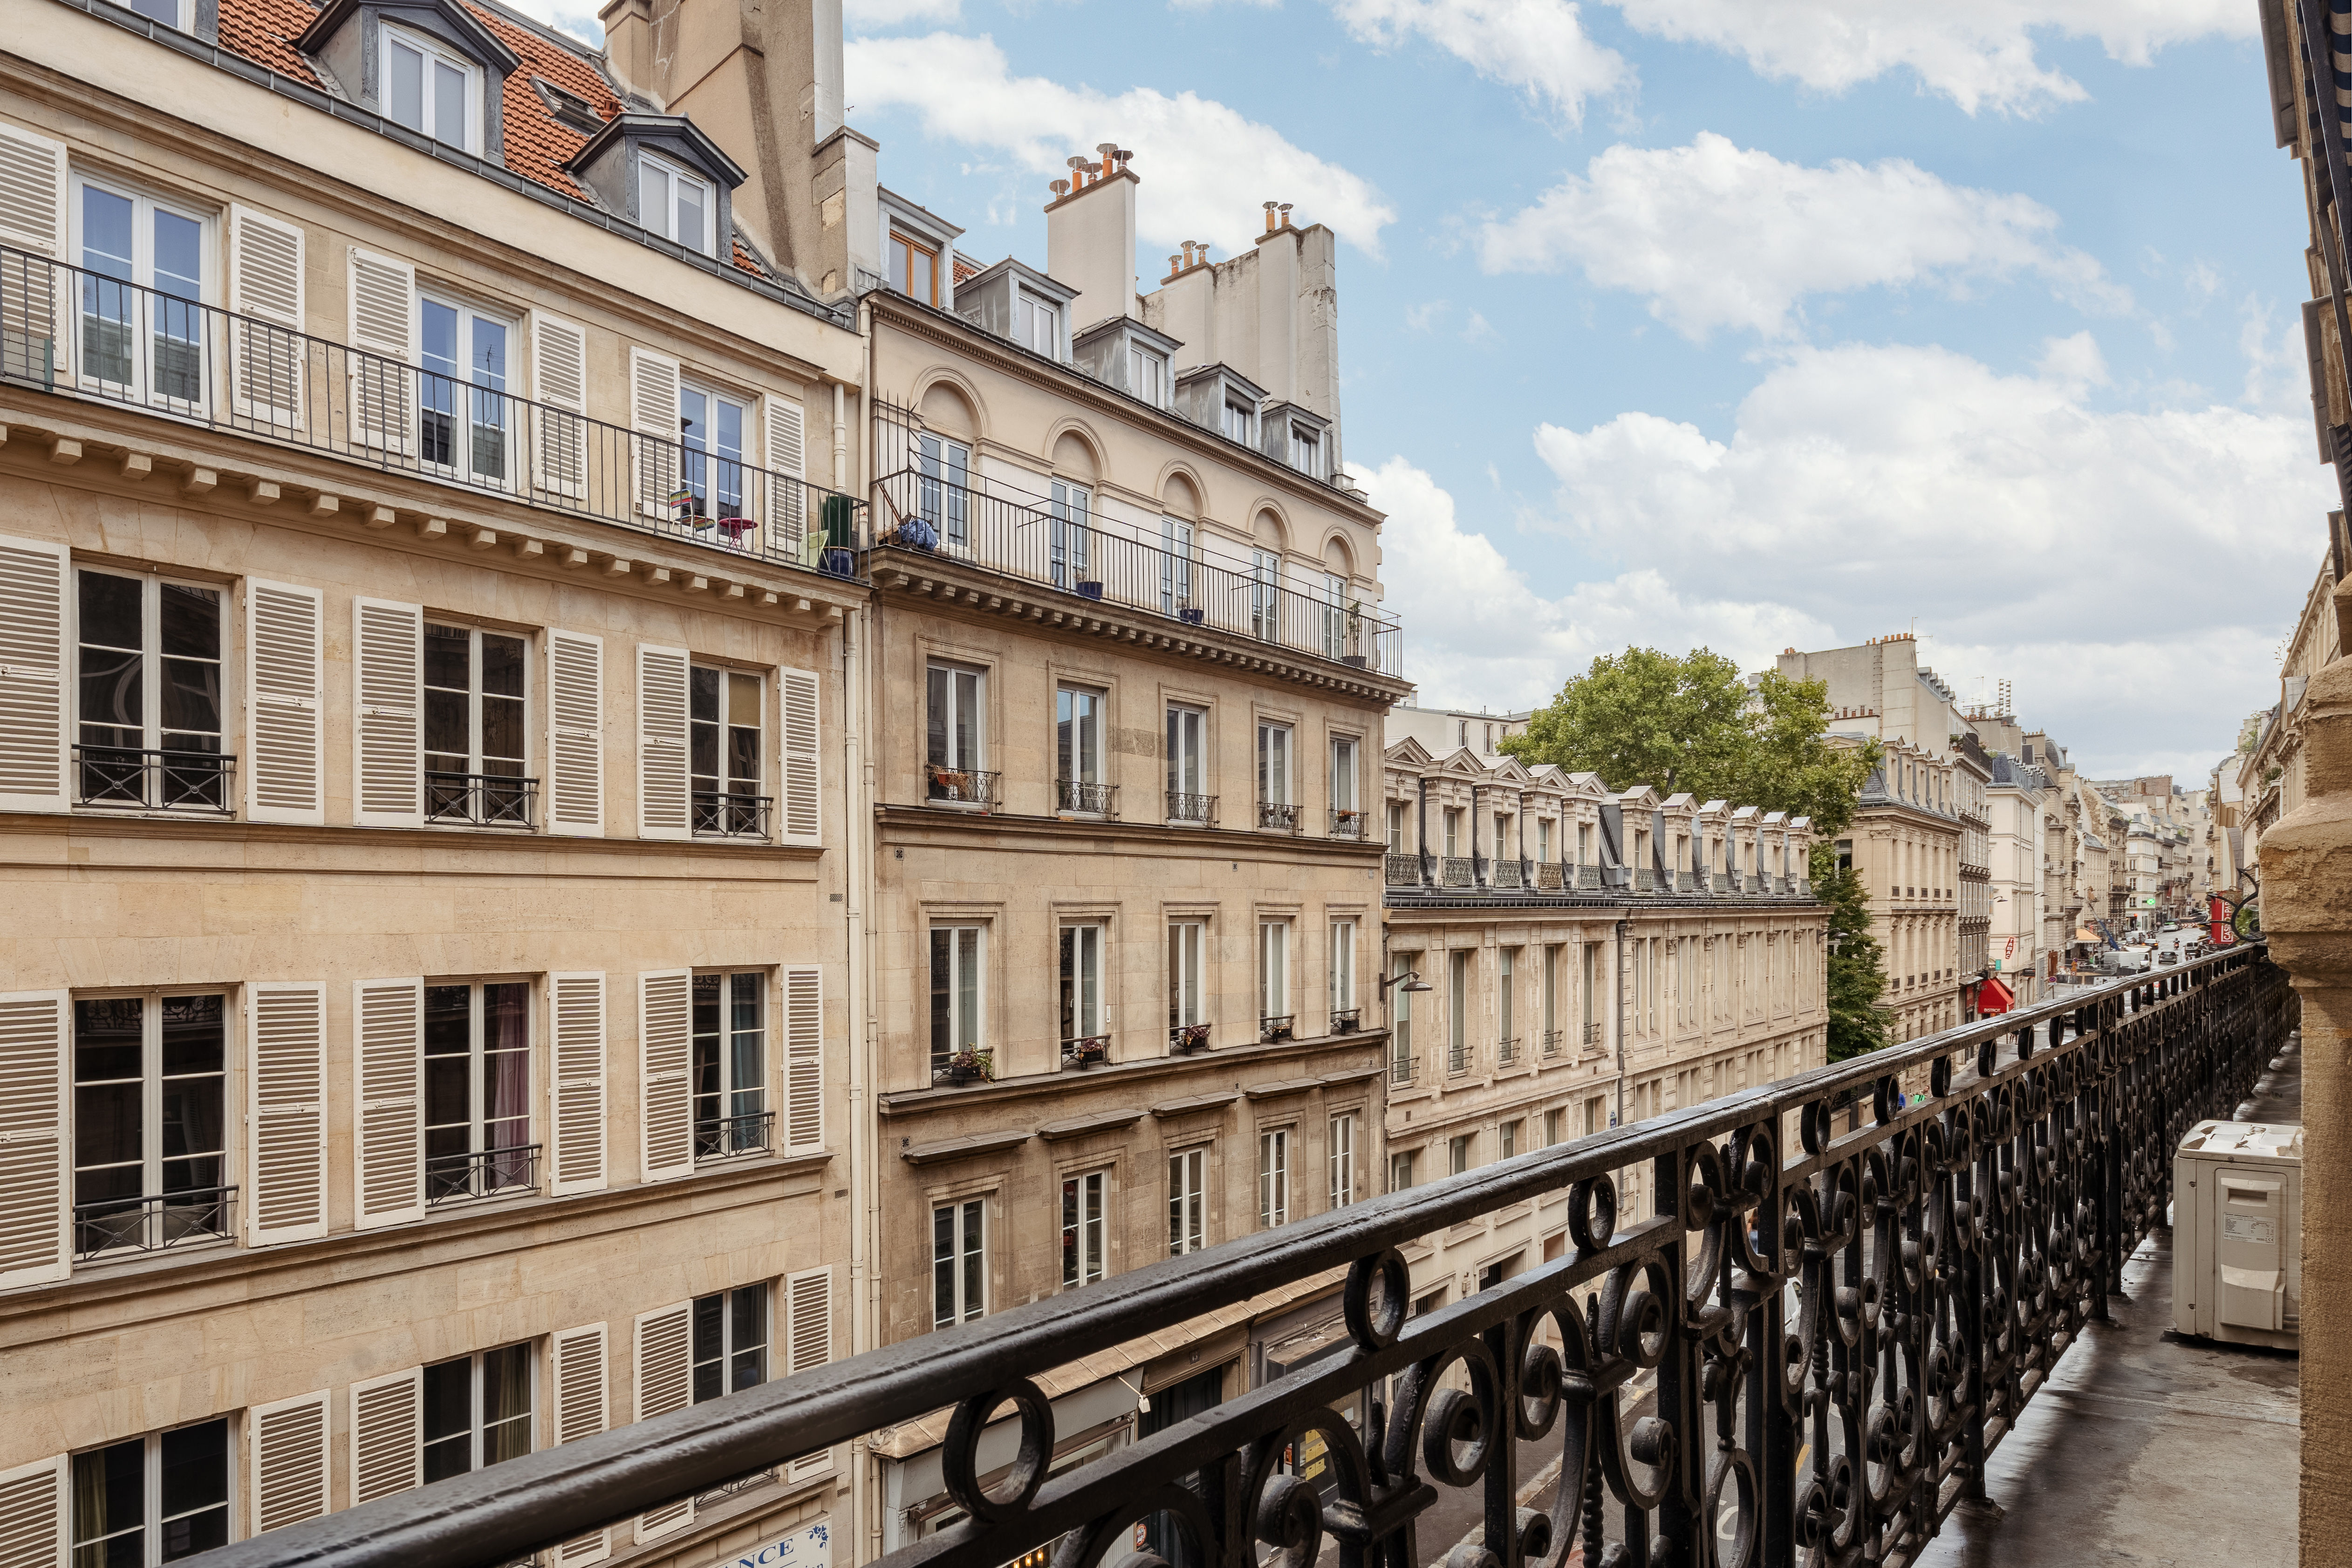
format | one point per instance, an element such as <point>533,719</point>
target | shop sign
<point>809,1546</point>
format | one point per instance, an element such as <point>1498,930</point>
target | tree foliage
<point>1857,966</point>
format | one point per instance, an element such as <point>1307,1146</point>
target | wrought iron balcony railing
<point>1457,871</point>
<point>1400,1068</point>
<point>1842,1298</point>
<point>1346,825</point>
<point>1592,1033</point>
<point>1645,879</point>
<point>488,800</point>
<point>1198,809</point>
<point>1588,877</point>
<point>723,814</point>
<point>1403,870</point>
<point>1458,1057</point>
<point>724,1137</point>
<point>1272,1027</point>
<point>482,1174</point>
<point>1552,1041</point>
<point>1506,1051</point>
<point>959,786</point>
<point>154,781</point>
<point>1078,794</point>
<point>1347,1020</point>
<point>82,334</point>
<point>1186,1038</point>
<point>1508,873</point>
<point>1085,1051</point>
<point>1279,815</point>
<point>1551,876</point>
<point>153,1223</point>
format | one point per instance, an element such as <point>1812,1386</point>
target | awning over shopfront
<point>1993,996</point>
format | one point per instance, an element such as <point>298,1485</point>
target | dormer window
<point>1146,375</point>
<point>914,268</point>
<point>1038,325</point>
<point>1306,452</point>
<point>431,89</point>
<point>1240,420</point>
<point>171,13</point>
<point>674,203</point>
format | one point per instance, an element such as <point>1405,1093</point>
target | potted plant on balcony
<point>1092,1051</point>
<point>970,1065</point>
<point>1190,1038</point>
<point>1354,655</point>
<point>1090,589</point>
<point>1188,612</point>
<point>1269,1030</point>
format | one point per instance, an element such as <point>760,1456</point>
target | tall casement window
<point>1589,992</point>
<point>1347,818</point>
<point>1543,839</point>
<point>710,426</point>
<point>1459,1153</point>
<point>1337,641</point>
<point>1146,375</point>
<point>1585,844</point>
<point>147,694</point>
<point>1240,421</point>
<point>462,419</point>
<point>476,720</point>
<point>1275,808</point>
<point>1038,325</point>
<point>1086,1248</point>
<point>1082,982</point>
<point>1274,970</point>
<point>955,734</point>
<point>478,1090</point>
<point>431,90</point>
<point>731,1061</point>
<point>724,753</point>
<point>959,1263</point>
<point>1343,1161</point>
<point>1188,1202</point>
<point>1453,820</point>
<point>676,205</point>
<point>943,488</point>
<point>1397,844</point>
<point>1072,547</point>
<point>1273,1177</point>
<point>1458,1010</point>
<point>1175,566</point>
<point>147,1122</point>
<point>1506,986</point>
<point>1400,1017</point>
<point>732,1332</point>
<point>1342,973</point>
<point>476,1411</point>
<point>1551,996</point>
<point>1306,451</point>
<point>151,1499</point>
<point>1078,749</point>
<point>1187,1008</point>
<point>143,279</point>
<point>1401,1167</point>
<point>1187,740</point>
<point>914,268</point>
<point>1265,595</point>
<point>956,993</point>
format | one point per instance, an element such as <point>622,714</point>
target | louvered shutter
<point>654,417</point>
<point>575,734</point>
<point>787,460</point>
<point>808,1340</point>
<point>662,799</point>
<point>803,1061</point>
<point>387,714</point>
<point>383,333</point>
<point>267,347</point>
<point>35,1162</point>
<point>387,1434</point>
<point>283,625</point>
<point>33,574</point>
<point>665,1112</point>
<point>388,1028</point>
<point>286,1461</point>
<point>286,1199</point>
<point>802,814</point>
<point>33,1514</point>
<point>665,1362</point>
<point>577,1362</point>
<point>32,218</point>
<point>577,1002</point>
<point>558,382</point>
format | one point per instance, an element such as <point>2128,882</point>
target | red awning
<point>1992,997</point>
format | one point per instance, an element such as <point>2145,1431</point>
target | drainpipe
<point>1420,825</point>
<point>1473,836</point>
<point>864,1176</point>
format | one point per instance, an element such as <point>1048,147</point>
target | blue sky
<point>1742,322</point>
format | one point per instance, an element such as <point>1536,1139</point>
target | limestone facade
<point>1905,841</point>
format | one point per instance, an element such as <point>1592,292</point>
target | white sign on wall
<point>808,1546</point>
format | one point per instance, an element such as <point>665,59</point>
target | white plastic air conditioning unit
<point>2237,1233</point>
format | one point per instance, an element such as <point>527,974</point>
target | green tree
<point>1857,966</point>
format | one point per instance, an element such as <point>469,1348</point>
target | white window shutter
<point>33,1514</point>
<point>266,348</point>
<point>33,219</point>
<point>285,1193</point>
<point>803,1061</point>
<point>788,460</point>
<point>654,417</point>
<point>387,714</point>
<point>383,330</point>
<point>662,799</point>
<point>665,1367</point>
<point>283,768</point>
<point>577,1366</point>
<point>577,1003</point>
<point>387,1434</point>
<point>808,1341</point>
<point>36,1162</point>
<point>559,382</point>
<point>665,1047</point>
<point>802,814</point>
<point>388,1131</point>
<point>286,1461</point>
<point>575,734</point>
<point>33,706</point>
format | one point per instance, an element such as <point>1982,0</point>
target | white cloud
<point>859,15</point>
<point>1187,149</point>
<point>1538,46</point>
<point>1979,54</point>
<point>1718,236</point>
<point>577,19</point>
<point>2278,367</point>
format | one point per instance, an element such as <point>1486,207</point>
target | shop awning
<point>1993,996</point>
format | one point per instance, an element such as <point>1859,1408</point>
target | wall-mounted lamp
<point>1411,981</point>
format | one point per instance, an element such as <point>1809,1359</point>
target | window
<point>1457,1153</point>
<point>1596,1116</point>
<point>1543,839</point>
<point>730,1341</point>
<point>1396,827</point>
<point>431,91</point>
<point>1552,994</point>
<point>943,488</point>
<point>958,1264</point>
<point>168,12</point>
<point>1273,969</point>
<point>1506,981</point>
<point>461,405</point>
<point>1458,1010</point>
<point>1082,1007</point>
<point>1186,732</point>
<point>1084,1245</point>
<point>914,268</point>
<point>151,1500</point>
<point>1343,1161</point>
<point>1146,375</point>
<point>1273,1177</point>
<point>1078,749</point>
<point>1273,766</point>
<point>1508,1137</point>
<point>955,993</point>
<point>1038,325</point>
<point>474,721</point>
<point>1399,1172</point>
<point>1240,420</point>
<point>1339,627</point>
<point>1188,1202</point>
<point>145,346</point>
<point>1072,542</point>
<point>476,1411</point>
<point>1452,823</point>
<point>1589,991</point>
<point>710,426</point>
<point>1401,1016</point>
<point>147,1122</point>
<point>1266,594</point>
<point>1555,1127</point>
<point>1343,970</point>
<point>723,751</point>
<point>148,693</point>
<point>1185,1005</point>
<point>1306,451</point>
<point>478,1090</point>
<point>1462,731</point>
<point>730,1082</point>
<point>675,205</point>
<point>953,733</point>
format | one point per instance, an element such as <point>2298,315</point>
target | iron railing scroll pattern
<point>1841,1301</point>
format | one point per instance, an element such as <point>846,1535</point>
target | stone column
<point>2307,904</point>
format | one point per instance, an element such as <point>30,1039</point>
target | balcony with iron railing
<point>484,800</point>
<point>111,1227</point>
<point>1552,1041</point>
<point>125,778</point>
<point>481,1174</point>
<point>2003,1251</point>
<point>723,814</point>
<point>1279,815</point>
<point>731,1137</point>
<point>1085,798</point>
<point>1346,824</point>
<point>1192,810</point>
<point>83,336</point>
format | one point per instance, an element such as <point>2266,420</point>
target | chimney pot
<point>1109,150</point>
<point>1059,187</point>
<point>1269,216</point>
<point>1174,265</point>
<point>1286,215</point>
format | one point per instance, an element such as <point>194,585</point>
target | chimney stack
<point>1090,236</point>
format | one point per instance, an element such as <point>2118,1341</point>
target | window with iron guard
<point>476,723</point>
<point>477,1053</point>
<point>723,738</point>
<point>150,1500</point>
<point>147,694</point>
<point>731,1065</point>
<point>148,1122</point>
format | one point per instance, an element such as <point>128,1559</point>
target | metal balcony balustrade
<point>1280,815</point>
<point>724,1137</point>
<point>1198,809</point>
<point>1457,871</point>
<point>487,800</point>
<point>1347,1020</point>
<point>1552,1041</point>
<point>1506,1051</point>
<point>482,1174</point>
<point>81,334</point>
<point>722,813</point>
<point>1458,1057</point>
<point>959,786</point>
<point>1592,1033</point>
<point>1400,1068</point>
<point>1346,824</point>
<point>1507,873</point>
<point>1843,1310</point>
<point>152,1223</point>
<point>1402,871</point>
<point>1078,794</point>
<point>1272,1027</point>
<point>154,780</point>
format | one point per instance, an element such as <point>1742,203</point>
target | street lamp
<point>1411,981</point>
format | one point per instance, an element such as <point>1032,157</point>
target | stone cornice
<point>1213,843</point>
